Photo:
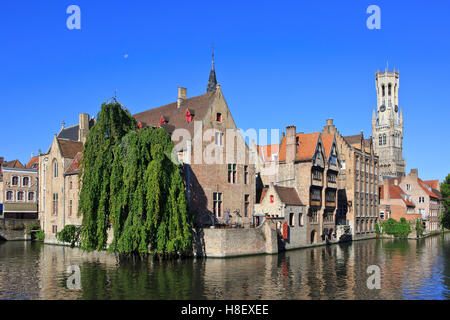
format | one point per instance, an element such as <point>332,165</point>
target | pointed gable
<point>306,146</point>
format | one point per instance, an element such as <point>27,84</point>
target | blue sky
<point>279,63</point>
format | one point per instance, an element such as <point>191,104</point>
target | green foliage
<point>419,227</point>
<point>445,192</point>
<point>112,124</point>
<point>130,184</point>
<point>36,226</point>
<point>40,235</point>
<point>398,229</point>
<point>70,234</point>
<point>377,228</point>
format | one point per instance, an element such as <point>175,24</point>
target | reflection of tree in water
<point>142,280</point>
<point>398,246</point>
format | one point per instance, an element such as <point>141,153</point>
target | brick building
<point>18,190</point>
<point>58,174</point>
<point>358,183</point>
<point>411,198</point>
<point>219,174</point>
<point>309,163</point>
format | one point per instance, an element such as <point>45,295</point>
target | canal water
<point>410,269</point>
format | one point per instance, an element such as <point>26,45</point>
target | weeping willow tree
<point>149,211</point>
<point>130,184</point>
<point>112,124</point>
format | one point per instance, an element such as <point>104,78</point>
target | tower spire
<point>212,82</point>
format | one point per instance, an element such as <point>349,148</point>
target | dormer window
<point>189,114</point>
<point>219,117</point>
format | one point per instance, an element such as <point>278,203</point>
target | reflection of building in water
<point>53,264</point>
<point>18,272</point>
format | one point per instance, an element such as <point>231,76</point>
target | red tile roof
<point>306,148</point>
<point>327,140</point>
<point>74,166</point>
<point>33,163</point>
<point>425,187</point>
<point>13,164</point>
<point>266,152</point>
<point>434,184</point>
<point>395,192</point>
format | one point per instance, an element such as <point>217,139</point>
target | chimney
<point>291,145</point>
<point>83,129</point>
<point>330,122</point>
<point>182,93</point>
<point>414,172</point>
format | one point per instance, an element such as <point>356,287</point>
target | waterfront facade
<point>358,183</point>
<point>387,126</point>
<point>18,191</point>
<point>309,163</point>
<point>59,187</point>
<point>219,175</point>
<point>411,198</point>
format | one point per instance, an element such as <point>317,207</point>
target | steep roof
<point>265,152</point>
<point>306,147</point>
<point>74,165</point>
<point>72,132</point>
<point>353,139</point>
<point>13,164</point>
<point>176,117</point>
<point>434,184</point>
<point>425,187</point>
<point>395,192</point>
<point>327,140</point>
<point>287,195</point>
<point>69,148</point>
<point>33,163</point>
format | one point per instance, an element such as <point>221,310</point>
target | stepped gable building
<point>220,183</point>
<point>387,126</point>
<point>309,163</point>
<point>18,191</point>
<point>58,176</point>
<point>418,200</point>
<point>358,183</point>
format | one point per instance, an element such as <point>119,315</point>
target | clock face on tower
<point>382,108</point>
<point>396,108</point>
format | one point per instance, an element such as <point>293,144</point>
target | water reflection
<point>409,270</point>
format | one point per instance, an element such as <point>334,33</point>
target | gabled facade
<point>283,205</point>
<point>358,183</point>
<point>305,165</point>
<point>220,182</point>
<point>58,176</point>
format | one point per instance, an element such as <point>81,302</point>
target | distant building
<point>358,183</point>
<point>411,198</point>
<point>58,176</point>
<point>387,126</point>
<point>18,191</point>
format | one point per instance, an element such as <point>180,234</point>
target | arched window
<point>26,181</point>
<point>384,139</point>
<point>291,219</point>
<point>20,196</point>
<point>300,219</point>
<point>15,181</point>
<point>383,89</point>
<point>30,196</point>
<point>9,196</point>
<point>390,89</point>
<point>380,140</point>
<point>55,169</point>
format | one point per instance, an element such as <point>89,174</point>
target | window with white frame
<point>9,196</point>
<point>218,138</point>
<point>30,196</point>
<point>25,181</point>
<point>15,181</point>
<point>421,200</point>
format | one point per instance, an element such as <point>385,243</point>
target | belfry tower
<point>387,126</point>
